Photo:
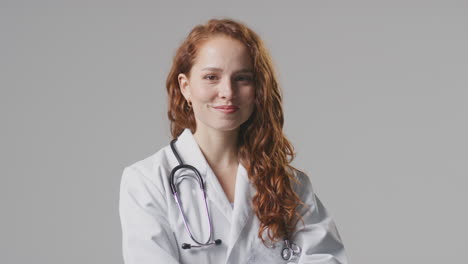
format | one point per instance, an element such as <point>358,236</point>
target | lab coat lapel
<point>242,206</point>
<point>191,154</point>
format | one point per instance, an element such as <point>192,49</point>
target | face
<point>222,76</point>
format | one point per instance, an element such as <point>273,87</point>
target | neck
<point>218,147</point>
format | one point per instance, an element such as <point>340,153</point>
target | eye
<point>210,77</point>
<point>244,78</point>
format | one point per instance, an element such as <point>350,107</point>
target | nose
<point>226,89</point>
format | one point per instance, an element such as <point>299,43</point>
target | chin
<point>226,128</point>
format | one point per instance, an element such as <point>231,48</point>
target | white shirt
<point>153,230</point>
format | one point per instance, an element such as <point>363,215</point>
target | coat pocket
<point>261,254</point>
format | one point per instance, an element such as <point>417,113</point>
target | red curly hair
<point>262,146</point>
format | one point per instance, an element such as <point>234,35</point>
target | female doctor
<point>223,190</point>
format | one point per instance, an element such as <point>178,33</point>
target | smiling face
<point>222,75</point>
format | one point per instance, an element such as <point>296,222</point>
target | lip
<point>227,108</point>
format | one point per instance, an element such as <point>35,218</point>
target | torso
<point>227,180</point>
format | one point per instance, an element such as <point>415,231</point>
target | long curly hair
<point>262,146</point>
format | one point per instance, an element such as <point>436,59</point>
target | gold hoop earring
<point>189,104</point>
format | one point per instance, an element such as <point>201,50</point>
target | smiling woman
<point>221,82</point>
<point>247,203</point>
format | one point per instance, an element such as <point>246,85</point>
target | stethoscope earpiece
<point>186,246</point>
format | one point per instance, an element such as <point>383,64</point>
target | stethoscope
<point>175,193</point>
<point>289,251</point>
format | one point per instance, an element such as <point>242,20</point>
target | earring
<point>189,103</point>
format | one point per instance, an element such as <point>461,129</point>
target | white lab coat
<point>153,230</point>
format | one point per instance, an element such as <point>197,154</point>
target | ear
<point>184,85</point>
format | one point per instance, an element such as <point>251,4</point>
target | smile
<point>227,109</point>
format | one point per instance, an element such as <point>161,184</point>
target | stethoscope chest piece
<point>290,250</point>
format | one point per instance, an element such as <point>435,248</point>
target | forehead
<point>222,52</point>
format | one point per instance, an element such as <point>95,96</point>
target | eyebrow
<point>220,70</point>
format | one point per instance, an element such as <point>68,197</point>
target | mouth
<point>227,109</point>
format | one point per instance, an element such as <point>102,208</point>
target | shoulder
<point>302,185</point>
<point>152,170</point>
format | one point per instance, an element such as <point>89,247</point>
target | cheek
<point>203,94</point>
<point>249,95</point>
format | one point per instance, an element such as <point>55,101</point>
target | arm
<point>318,236</point>
<point>146,234</point>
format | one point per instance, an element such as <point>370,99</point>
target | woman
<point>225,109</point>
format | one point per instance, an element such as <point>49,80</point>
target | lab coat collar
<point>238,216</point>
<point>190,152</point>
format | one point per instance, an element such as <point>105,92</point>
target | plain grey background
<point>375,101</point>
